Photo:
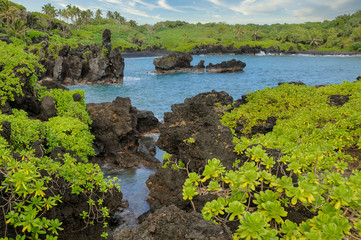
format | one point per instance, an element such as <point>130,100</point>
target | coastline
<point>139,54</point>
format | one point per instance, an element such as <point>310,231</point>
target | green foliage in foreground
<point>317,141</point>
<point>14,62</point>
<point>31,185</point>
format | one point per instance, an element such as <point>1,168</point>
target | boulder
<point>47,108</point>
<point>177,62</point>
<point>173,223</point>
<point>226,67</point>
<point>197,118</point>
<point>117,127</point>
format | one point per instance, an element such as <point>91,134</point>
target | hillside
<point>74,25</point>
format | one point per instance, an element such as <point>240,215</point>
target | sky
<point>205,11</point>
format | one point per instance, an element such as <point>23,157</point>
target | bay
<point>156,92</point>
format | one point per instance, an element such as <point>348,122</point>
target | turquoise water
<point>157,93</point>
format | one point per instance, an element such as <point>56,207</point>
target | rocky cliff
<point>88,64</point>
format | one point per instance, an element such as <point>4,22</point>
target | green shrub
<point>30,185</point>
<point>14,62</point>
<point>315,138</point>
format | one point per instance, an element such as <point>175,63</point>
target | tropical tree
<point>110,15</point>
<point>120,19</point>
<point>86,16</point>
<point>222,30</point>
<point>239,31</point>
<point>50,10</point>
<point>6,12</point>
<point>133,23</point>
<point>98,14</point>
<point>17,29</point>
<point>255,35</point>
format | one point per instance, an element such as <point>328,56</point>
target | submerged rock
<point>226,67</point>
<point>172,223</point>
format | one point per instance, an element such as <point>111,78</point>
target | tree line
<point>343,33</point>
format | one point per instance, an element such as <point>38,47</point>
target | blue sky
<point>228,11</point>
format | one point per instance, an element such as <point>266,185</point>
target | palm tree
<point>6,12</point>
<point>116,15</point>
<point>122,20</point>
<point>222,30</point>
<point>255,35</point>
<point>63,13</point>
<point>85,16</point>
<point>239,31</point>
<point>98,14</point>
<point>133,23</point>
<point>110,15</point>
<point>49,9</point>
<point>17,29</point>
<point>315,42</point>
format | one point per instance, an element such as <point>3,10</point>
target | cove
<point>157,93</point>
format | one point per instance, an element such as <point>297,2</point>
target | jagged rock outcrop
<point>88,64</point>
<point>117,127</point>
<point>197,118</point>
<point>172,223</point>
<point>226,66</point>
<point>177,62</point>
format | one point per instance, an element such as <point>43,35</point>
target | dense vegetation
<point>309,163</point>
<point>318,142</point>
<point>32,184</point>
<point>71,25</point>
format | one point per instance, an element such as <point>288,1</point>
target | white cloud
<point>164,4</point>
<point>216,2</point>
<point>145,4</point>
<point>249,7</point>
<point>217,16</point>
<point>112,1</point>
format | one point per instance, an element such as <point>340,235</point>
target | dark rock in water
<point>84,64</point>
<point>173,61</point>
<point>172,223</point>
<point>147,122</point>
<point>197,118</point>
<point>220,49</point>
<point>177,62</point>
<point>226,67</point>
<point>299,83</point>
<point>116,129</point>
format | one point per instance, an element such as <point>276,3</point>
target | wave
<point>130,78</point>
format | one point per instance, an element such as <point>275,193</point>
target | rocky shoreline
<point>138,54</point>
